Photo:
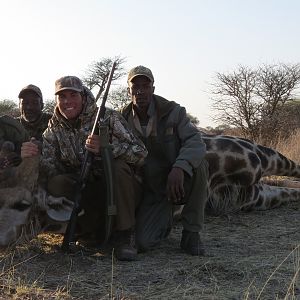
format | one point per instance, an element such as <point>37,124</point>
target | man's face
<point>70,104</point>
<point>141,90</point>
<point>30,106</point>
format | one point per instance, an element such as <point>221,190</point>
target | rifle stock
<point>69,236</point>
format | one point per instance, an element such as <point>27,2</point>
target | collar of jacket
<point>162,106</point>
<point>34,124</point>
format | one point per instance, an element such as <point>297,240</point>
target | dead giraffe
<point>235,168</point>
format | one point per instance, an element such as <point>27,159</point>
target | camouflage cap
<point>140,71</point>
<point>68,83</point>
<point>30,87</point>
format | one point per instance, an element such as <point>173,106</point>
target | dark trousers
<point>154,218</point>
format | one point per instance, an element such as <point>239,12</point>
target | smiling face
<point>69,103</point>
<point>141,90</point>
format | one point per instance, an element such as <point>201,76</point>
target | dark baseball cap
<point>68,83</point>
<point>140,71</point>
<point>31,87</point>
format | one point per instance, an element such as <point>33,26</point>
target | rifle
<point>106,154</point>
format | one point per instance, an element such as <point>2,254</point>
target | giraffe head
<point>15,207</point>
<point>24,214</point>
<point>25,208</point>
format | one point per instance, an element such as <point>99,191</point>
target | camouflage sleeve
<point>125,144</point>
<point>50,159</point>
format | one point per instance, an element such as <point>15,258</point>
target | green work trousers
<point>155,212</point>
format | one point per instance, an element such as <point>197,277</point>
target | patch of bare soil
<point>249,256</point>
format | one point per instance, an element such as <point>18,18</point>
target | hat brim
<point>135,75</point>
<point>28,90</point>
<point>68,88</point>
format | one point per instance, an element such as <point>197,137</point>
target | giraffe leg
<point>261,196</point>
<point>290,183</point>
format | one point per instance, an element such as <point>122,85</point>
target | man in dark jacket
<point>175,171</point>
<point>32,117</point>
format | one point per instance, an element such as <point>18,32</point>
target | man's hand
<point>92,144</point>
<point>30,149</point>
<point>175,185</point>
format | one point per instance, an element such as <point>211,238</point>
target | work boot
<point>191,243</point>
<point>126,249</point>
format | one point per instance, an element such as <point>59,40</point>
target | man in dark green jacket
<point>32,117</point>
<point>175,171</point>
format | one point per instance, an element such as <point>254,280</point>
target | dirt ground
<point>252,255</point>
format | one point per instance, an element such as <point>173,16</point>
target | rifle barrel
<point>101,110</point>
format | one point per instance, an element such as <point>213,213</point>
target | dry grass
<point>249,256</point>
<point>289,147</point>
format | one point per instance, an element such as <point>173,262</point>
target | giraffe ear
<point>59,208</point>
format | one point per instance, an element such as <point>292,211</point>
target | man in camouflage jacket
<point>32,117</point>
<point>64,144</point>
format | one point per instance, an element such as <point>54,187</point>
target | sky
<point>184,43</point>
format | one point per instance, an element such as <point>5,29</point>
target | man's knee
<point>146,242</point>
<point>152,229</point>
<point>61,186</point>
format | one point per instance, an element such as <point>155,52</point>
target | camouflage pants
<point>94,201</point>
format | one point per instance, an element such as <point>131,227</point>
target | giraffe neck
<point>274,163</point>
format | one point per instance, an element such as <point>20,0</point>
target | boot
<point>191,243</point>
<point>126,249</point>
